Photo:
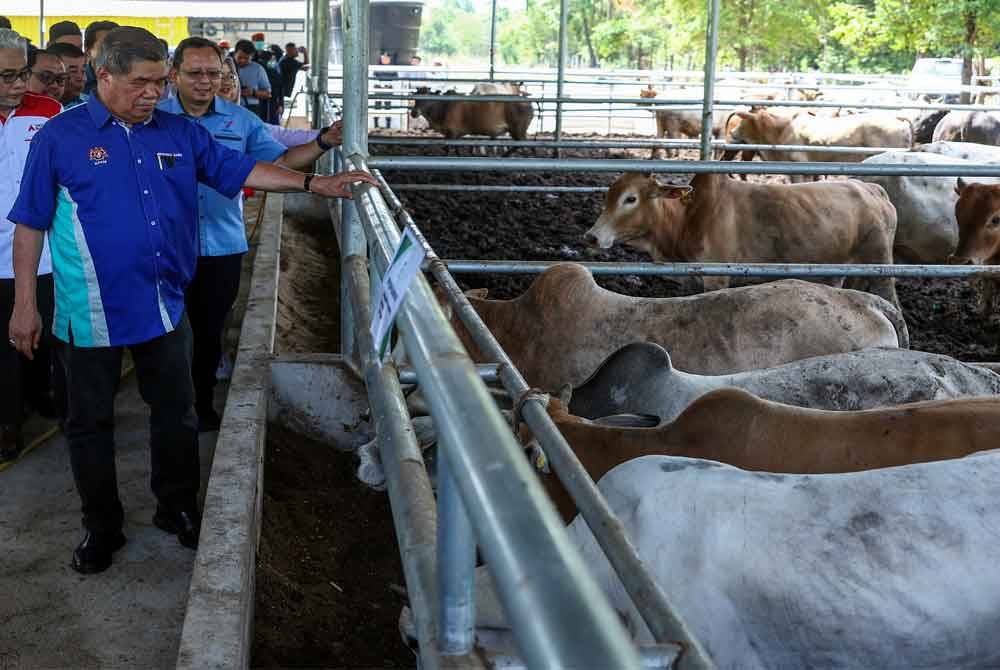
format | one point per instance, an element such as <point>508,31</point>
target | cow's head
<point>758,126</point>
<point>978,214</point>
<point>631,212</point>
<point>421,107</point>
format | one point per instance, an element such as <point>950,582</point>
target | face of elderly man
<point>13,79</point>
<point>132,96</point>
<point>48,76</point>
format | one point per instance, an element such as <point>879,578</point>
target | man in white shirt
<point>22,114</point>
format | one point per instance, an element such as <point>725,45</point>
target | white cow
<point>891,568</point>
<point>926,229</point>
<point>980,153</point>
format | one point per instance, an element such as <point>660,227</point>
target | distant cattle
<point>970,151</point>
<point>493,88</point>
<point>893,569</point>
<point>976,127</point>
<point>564,326</point>
<point>924,124</point>
<point>737,428</point>
<point>978,215</point>
<point>926,231</point>
<point>724,220</point>
<point>857,130</point>
<point>683,122</point>
<point>458,118</point>
<point>641,379</point>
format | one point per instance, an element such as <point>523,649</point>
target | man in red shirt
<point>22,114</point>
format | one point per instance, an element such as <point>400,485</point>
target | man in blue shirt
<point>93,35</point>
<point>255,87</point>
<point>196,72</point>
<point>115,184</point>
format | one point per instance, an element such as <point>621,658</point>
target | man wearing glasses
<point>22,114</point>
<point>197,72</point>
<point>48,75</point>
<point>114,182</point>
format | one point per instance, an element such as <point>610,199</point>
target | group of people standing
<point>121,227</point>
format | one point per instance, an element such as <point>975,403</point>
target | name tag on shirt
<point>167,160</point>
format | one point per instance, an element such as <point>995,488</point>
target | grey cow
<point>640,379</point>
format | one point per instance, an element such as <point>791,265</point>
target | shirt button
<point>157,254</point>
<point>152,223</point>
<point>139,161</point>
<point>145,192</point>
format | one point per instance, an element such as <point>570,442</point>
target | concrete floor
<point>127,617</point>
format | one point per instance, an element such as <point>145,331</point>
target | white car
<point>937,78</point>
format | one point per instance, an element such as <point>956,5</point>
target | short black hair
<point>65,50</point>
<point>90,34</point>
<point>245,46</point>
<point>195,43</point>
<point>5,23</point>
<point>63,28</point>
<point>291,45</point>
<point>122,47</point>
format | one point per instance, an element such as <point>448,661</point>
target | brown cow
<point>565,325</point>
<point>978,215</point>
<point>857,130</point>
<point>720,219</point>
<point>737,428</point>
<point>675,124</point>
<point>458,118</point>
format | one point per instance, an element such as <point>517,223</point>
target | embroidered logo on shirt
<point>98,155</point>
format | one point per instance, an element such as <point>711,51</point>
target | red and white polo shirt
<point>16,132</point>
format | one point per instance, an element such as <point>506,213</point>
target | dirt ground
<point>532,226</point>
<point>329,578</point>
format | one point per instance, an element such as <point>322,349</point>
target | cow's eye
<point>629,200</point>
<point>995,221</point>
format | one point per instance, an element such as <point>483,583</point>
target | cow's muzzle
<point>960,260</point>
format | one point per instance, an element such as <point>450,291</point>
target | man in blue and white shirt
<point>115,184</point>
<point>196,72</point>
<point>255,87</point>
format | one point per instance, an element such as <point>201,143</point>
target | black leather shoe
<point>11,442</point>
<point>93,555</point>
<point>185,525</point>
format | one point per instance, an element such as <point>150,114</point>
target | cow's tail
<point>895,316</point>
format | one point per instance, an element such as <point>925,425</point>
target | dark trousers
<point>209,298</point>
<point>92,377</point>
<point>23,380</point>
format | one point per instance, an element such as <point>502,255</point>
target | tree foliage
<point>857,35</point>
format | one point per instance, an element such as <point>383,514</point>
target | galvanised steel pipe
<point>321,57</point>
<point>711,50</point>
<point>627,144</point>
<point>650,600</point>
<point>561,74</point>
<point>354,15</point>
<point>685,103</point>
<point>733,269</point>
<point>493,38</point>
<point>411,497</point>
<point>500,189</point>
<point>557,612</point>
<point>456,544</point>
<point>487,372</point>
<point>440,164</point>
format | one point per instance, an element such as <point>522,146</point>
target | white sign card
<point>402,270</point>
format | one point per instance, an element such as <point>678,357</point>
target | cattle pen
<point>492,579</point>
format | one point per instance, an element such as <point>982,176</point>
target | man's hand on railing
<point>339,185</point>
<point>334,134</point>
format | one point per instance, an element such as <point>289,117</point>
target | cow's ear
<point>745,115</point>
<point>478,293</point>
<point>683,193</point>
<point>960,186</point>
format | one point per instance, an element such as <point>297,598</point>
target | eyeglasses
<point>47,78</point>
<point>211,75</point>
<point>10,76</point>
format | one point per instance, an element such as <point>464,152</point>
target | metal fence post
<point>355,31</point>
<point>456,565</point>
<point>708,105</point>
<point>320,65</point>
<point>493,39</point>
<point>561,76</point>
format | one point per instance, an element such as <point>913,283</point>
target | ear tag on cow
<point>540,460</point>
<point>687,196</point>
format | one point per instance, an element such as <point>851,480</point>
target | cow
<point>735,427</point>
<point>565,325</point>
<point>493,88</point>
<point>856,130</point>
<point>976,127</point>
<point>641,379</point>
<point>682,123</point>
<point>725,220</point>
<point>926,231</point>
<point>924,124</point>
<point>458,118</point>
<point>978,215</point>
<point>892,569</point>
<point>970,151</point>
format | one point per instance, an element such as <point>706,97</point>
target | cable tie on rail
<point>528,395</point>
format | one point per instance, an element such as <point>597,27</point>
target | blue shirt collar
<point>102,116</point>
<point>218,106</point>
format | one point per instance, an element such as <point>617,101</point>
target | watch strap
<point>308,180</point>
